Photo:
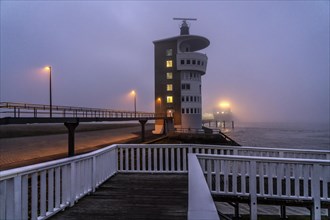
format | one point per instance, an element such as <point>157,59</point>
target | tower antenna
<point>184,29</point>
<point>185,19</point>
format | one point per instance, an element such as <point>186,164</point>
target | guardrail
<point>173,158</point>
<point>39,191</point>
<point>19,110</point>
<point>265,177</point>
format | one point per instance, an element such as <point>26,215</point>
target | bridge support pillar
<point>71,126</point>
<point>143,123</point>
<point>283,212</point>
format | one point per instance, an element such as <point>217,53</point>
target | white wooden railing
<point>264,177</point>
<point>41,190</point>
<point>173,158</point>
<point>200,203</point>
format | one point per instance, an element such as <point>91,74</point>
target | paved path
<point>134,196</point>
<point>15,152</point>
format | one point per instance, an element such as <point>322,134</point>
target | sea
<point>313,136</point>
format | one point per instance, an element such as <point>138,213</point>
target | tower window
<point>194,62</point>
<point>182,110</point>
<point>182,98</point>
<point>169,99</point>
<point>185,86</point>
<point>169,75</point>
<point>188,61</point>
<point>182,61</point>
<point>169,63</point>
<point>198,62</point>
<point>169,87</point>
<point>169,52</point>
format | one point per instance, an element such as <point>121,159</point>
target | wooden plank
<point>134,196</point>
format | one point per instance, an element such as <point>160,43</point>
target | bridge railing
<point>19,110</point>
<point>265,177</point>
<point>41,190</point>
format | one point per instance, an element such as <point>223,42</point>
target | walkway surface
<point>134,196</point>
<point>21,151</point>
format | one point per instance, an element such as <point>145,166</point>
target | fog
<point>269,59</point>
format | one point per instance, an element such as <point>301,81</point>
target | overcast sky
<point>269,59</point>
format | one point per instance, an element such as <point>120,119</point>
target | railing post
<point>253,190</point>
<point>18,197</point>
<point>73,183</point>
<point>316,211</point>
<point>94,182</point>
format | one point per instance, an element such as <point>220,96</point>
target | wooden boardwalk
<point>134,196</point>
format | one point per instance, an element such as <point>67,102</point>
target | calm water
<point>297,135</point>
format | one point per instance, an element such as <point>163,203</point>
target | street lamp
<point>134,94</point>
<point>159,100</point>
<point>49,68</point>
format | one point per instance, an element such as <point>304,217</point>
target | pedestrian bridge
<point>301,177</point>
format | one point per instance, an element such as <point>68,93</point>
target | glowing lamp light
<point>224,104</point>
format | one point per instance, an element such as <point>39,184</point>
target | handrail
<point>66,180</point>
<point>200,202</point>
<point>18,110</point>
<point>52,186</point>
<point>268,177</point>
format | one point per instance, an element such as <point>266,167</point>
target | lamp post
<point>134,95</point>
<point>50,90</point>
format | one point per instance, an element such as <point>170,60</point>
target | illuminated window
<point>169,75</point>
<point>169,63</point>
<point>169,52</point>
<point>169,87</point>
<point>169,99</point>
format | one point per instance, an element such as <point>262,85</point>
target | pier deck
<point>134,196</point>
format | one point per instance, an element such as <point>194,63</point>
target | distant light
<point>222,112</point>
<point>217,112</point>
<point>159,99</point>
<point>224,104</point>
<point>47,68</point>
<point>133,92</point>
